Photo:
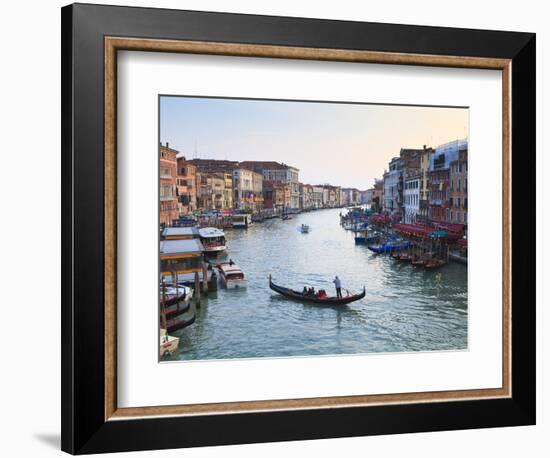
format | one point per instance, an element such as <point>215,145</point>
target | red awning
<point>450,227</point>
<point>416,230</point>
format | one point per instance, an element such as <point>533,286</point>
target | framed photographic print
<point>281,228</point>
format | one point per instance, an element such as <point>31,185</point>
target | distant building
<point>247,189</point>
<point>168,192</point>
<point>275,171</point>
<point>186,186</point>
<point>276,195</point>
<point>214,180</point>
<point>378,194</point>
<point>352,196</point>
<point>318,195</point>
<point>306,196</point>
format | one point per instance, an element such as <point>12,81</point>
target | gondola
<point>290,293</point>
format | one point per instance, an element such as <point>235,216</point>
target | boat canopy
<point>177,232</point>
<point>169,248</point>
<point>210,232</point>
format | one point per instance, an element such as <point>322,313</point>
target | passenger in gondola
<point>304,291</point>
<point>311,291</point>
<point>231,262</point>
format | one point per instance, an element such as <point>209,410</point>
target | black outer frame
<point>84,429</point>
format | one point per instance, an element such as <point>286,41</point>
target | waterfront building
<point>332,194</point>
<point>168,210</point>
<point>275,171</point>
<point>411,197</point>
<point>423,209</point>
<point>352,196</point>
<point>216,186</point>
<point>186,186</point>
<point>306,196</point>
<point>276,195</point>
<point>391,183</point>
<point>325,196</point>
<point>203,192</point>
<point>247,189</point>
<point>228,188</point>
<point>318,192</point>
<point>439,179</point>
<point>365,197</point>
<point>377,198</point>
<point>458,179</point>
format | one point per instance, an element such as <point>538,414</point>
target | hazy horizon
<point>344,144</point>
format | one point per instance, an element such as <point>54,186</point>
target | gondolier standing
<point>338,285</point>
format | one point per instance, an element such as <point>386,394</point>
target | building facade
<point>458,178</point>
<point>168,204</point>
<point>411,198</point>
<point>424,207</point>
<point>283,173</point>
<point>186,186</point>
<point>440,179</point>
<point>247,189</point>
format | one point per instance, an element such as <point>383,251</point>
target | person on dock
<point>338,285</point>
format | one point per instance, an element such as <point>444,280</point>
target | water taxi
<point>213,240</point>
<point>241,221</point>
<point>231,275</point>
<point>304,229</point>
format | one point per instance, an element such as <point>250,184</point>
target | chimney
<point>167,145</point>
<point>424,146</point>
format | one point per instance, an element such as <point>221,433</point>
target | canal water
<point>405,308</point>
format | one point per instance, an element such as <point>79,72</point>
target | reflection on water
<point>405,308</point>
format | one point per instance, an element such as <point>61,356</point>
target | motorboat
<point>231,275</point>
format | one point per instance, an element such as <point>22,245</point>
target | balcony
<point>167,198</point>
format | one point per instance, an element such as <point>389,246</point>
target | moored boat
<point>213,240</point>
<point>434,263</point>
<point>231,275</point>
<point>388,247</point>
<point>168,344</point>
<point>170,295</point>
<point>241,221</point>
<point>184,293</point>
<point>316,299</point>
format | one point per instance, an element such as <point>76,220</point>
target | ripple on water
<point>405,309</point>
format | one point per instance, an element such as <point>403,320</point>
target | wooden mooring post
<point>204,278</point>
<point>197,290</point>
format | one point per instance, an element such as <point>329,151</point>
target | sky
<point>346,145</point>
